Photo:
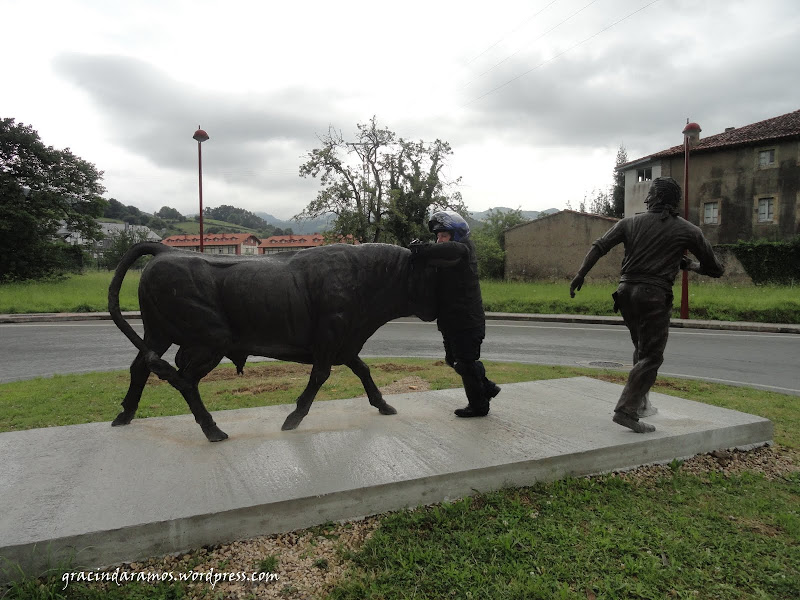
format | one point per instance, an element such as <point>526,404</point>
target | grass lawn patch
<point>72,294</point>
<point>683,536</point>
<point>707,300</point>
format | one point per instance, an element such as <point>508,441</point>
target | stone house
<point>744,183</point>
<point>553,247</point>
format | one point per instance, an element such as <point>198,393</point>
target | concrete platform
<point>106,495</point>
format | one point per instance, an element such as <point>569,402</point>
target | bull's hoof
<point>215,434</point>
<point>292,421</point>
<point>386,409</point>
<point>123,418</point>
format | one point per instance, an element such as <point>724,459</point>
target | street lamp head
<point>692,132</point>
<point>200,135</point>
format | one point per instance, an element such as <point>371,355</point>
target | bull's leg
<point>319,375</point>
<point>139,374</point>
<point>360,368</point>
<point>194,364</point>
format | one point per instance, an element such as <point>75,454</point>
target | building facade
<point>216,243</point>
<point>744,183</point>
<point>281,243</point>
<point>553,247</point>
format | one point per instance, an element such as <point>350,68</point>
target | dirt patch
<point>395,368</point>
<point>412,383</point>
<point>260,370</point>
<point>306,563</point>
<point>755,526</point>
<point>254,390</point>
<point>770,461</point>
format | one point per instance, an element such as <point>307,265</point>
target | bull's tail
<point>155,363</point>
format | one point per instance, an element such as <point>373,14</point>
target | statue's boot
<point>632,423</point>
<point>478,403</point>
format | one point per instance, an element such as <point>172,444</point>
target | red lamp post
<point>691,133</point>
<point>201,136</point>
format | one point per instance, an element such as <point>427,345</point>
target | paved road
<point>763,360</point>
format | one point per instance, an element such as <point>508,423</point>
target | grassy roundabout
<point>716,526</point>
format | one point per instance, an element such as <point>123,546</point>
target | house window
<point>766,207</point>
<point>711,213</point>
<point>766,158</point>
<point>644,174</point>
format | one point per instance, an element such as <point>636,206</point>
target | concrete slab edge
<point>127,544</point>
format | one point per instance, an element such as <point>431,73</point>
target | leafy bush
<point>769,262</point>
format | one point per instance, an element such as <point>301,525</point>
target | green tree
<point>618,190</point>
<point>118,243</point>
<point>42,188</point>
<point>599,203</point>
<point>169,214</point>
<point>380,188</point>
<point>609,202</point>
<point>115,209</point>
<point>490,242</point>
<point>237,216</point>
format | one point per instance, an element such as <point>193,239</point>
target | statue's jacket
<point>654,245</point>
<point>458,290</point>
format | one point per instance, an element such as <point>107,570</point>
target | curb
<point>677,323</point>
<point>584,319</point>
<point>58,317</point>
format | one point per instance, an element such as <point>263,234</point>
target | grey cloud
<point>257,140</point>
<point>636,93</point>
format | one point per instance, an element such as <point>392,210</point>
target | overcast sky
<point>534,97</point>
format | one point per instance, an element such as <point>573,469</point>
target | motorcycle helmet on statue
<point>450,221</point>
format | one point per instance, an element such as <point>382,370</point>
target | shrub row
<point>769,262</point>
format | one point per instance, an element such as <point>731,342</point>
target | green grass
<point>74,293</point>
<point>93,397</point>
<point>707,300</point>
<point>683,537</point>
<point>678,536</point>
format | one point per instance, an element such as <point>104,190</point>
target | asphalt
<point>101,495</point>
<point>587,319</point>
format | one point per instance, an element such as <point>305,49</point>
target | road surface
<point>763,360</point>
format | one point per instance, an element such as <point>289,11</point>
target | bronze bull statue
<point>316,306</point>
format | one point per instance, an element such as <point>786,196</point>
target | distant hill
<point>181,227</point>
<point>528,214</point>
<point>321,224</point>
<point>302,226</point>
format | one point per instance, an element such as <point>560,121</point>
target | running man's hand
<point>576,285</point>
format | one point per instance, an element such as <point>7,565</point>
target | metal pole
<point>200,183</point>
<point>685,276</point>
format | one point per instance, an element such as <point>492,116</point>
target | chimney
<point>727,129</point>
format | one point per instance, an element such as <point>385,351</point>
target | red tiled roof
<point>210,239</point>
<point>777,128</point>
<point>292,241</point>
